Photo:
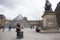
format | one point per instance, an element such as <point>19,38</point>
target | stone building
<point>24,21</point>
<point>2,19</point>
<point>35,23</point>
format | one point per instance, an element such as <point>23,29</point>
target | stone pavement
<point>29,34</point>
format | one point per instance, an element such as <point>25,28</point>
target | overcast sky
<point>32,9</point>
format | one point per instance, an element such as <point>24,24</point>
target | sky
<point>32,9</point>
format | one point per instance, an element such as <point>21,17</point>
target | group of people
<point>18,29</point>
<point>3,27</point>
<point>36,28</point>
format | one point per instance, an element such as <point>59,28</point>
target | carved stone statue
<point>48,6</point>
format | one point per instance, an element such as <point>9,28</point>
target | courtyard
<point>29,34</point>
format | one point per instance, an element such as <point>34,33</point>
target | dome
<point>25,18</point>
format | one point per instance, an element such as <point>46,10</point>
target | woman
<point>18,29</point>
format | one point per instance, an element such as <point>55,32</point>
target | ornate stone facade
<point>2,20</point>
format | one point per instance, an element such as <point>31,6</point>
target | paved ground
<point>29,34</point>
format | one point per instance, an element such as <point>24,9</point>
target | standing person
<point>31,27</point>
<point>37,28</point>
<point>3,27</point>
<point>10,27</point>
<point>0,26</point>
<point>18,29</point>
<point>22,27</point>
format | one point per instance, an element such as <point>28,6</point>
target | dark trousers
<point>18,34</point>
<point>37,30</point>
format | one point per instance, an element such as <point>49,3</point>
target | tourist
<point>3,27</point>
<point>38,28</point>
<point>9,27</point>
<point>19,31</point>
<point>0,26</point>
